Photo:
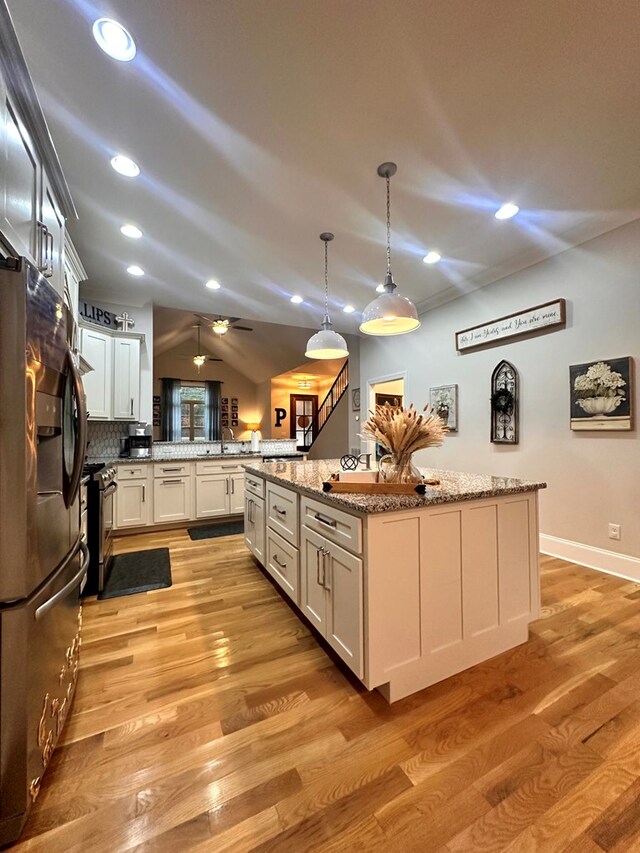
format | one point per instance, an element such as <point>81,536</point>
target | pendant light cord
<point>388,225</point>
<point>326,279</point>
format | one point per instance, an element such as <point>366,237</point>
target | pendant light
<point>326,343</point>
<point>389,313</point>
<point>198,358</point>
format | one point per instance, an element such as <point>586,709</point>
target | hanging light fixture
<point>198,358</point>
<point>220,326</point>
<point>304,384</point>
<point>389,313</point>
<point>326,343</point>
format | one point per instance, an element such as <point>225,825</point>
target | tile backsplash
<point>104,442</point>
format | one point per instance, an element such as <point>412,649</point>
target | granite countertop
<point>308,477</point>
<point>126,460</point>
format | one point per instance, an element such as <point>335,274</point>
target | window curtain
<point>212,392</point>
<point>170,400</point>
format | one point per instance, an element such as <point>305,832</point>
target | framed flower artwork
<point>602,395</point>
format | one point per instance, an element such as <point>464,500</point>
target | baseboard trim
<point>609,562</point>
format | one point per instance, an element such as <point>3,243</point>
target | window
<point>191,412</point>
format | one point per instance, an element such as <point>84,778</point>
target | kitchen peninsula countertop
<point>308,477</point>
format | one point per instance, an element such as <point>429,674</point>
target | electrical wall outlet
<point>614,531</point>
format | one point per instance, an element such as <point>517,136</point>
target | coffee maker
<point>137,445</point>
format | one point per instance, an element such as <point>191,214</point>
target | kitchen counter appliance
<point>101,489</point>
<point>43,559</point>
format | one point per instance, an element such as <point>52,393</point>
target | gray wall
<point>333,441</point>
<point>593,478</point>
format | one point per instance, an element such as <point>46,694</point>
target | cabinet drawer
<point>282,512</point>
<point>132,472</point>
<point>254,484</point>
<point>283,564</point>
<point>333,524</point>
<point>217,467</point>
<point>171,469</point>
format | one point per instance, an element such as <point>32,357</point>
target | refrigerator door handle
<point>81,442</point>
<point>76,580</point>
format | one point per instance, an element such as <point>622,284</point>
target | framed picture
<point>234,422</point>
<point>355,400</point>
<point>443,399</point>
<point>234,408</point>
<point>224,401</point>
<point>234,401</point>
<point>224,410</point>
<point>602,395</point>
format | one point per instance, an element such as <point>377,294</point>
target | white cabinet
<point>126,379</point>
<point>52,240</point>
<point>219,488</point>
<point>254,526</point>
<point>331,595</point>
<point>132,504</point>
<point>113,387</point>
<point>212,495</point>
<point>20,176</point>
<point>171,499</point>
<point>97,348</point>
<point>282,564</point>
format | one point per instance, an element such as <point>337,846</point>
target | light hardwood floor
<point>208,718</point>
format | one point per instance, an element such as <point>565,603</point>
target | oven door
<point>40,642</point>
<point>106,533</point>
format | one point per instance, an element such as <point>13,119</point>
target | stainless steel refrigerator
<point>42,557</point>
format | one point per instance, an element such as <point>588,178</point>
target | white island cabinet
<point>407,590</point>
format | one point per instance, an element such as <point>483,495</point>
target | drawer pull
<point>278,563</point>
<point>330,522</point>
<point>253,483</point>
<point>279,511</point>
<point>167,482</point>
<point>228,467</point>
<point>171,470</point>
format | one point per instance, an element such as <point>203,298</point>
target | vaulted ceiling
<point>257,125</point>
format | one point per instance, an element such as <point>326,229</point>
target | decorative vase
<point>398,470</point>
<point>599,405</point>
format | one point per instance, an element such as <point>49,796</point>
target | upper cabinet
<point>113,386</point>
<point>34,197</point>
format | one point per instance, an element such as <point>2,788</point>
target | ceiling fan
<point>199,359</point>
<point>221,325</point>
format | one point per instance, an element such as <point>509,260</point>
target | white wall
<point>333,441</point>
<point>593,478</point>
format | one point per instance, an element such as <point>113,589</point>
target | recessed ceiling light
<point>380,288</point>
<point>114,39</point>
<point>212,284</point>
<point>432,257</point>
<point>131,231</point>
<point>134,269</point>
<point>297,299</point>
<point>348,309</point>
<point>507,210</point>
<point>125,166</point>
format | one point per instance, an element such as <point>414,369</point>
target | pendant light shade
<point>326,343</point>
<point>390,313</point>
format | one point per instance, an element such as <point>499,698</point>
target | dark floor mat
<point>138,571</point>
<point>212,531</point>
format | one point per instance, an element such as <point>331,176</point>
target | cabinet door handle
<point>144,496</point>
<point>330,522</point>
<point>43,246</point>
<point>320,582</point>
<point>251,515</point>
<point>132,407</point>
<point>166,482</point>
<point>226,487</point>
<point>279,511</point>
<point>233,487</point>
<point>326,575</point>
<point>50,247</point>
<point>278,563</point>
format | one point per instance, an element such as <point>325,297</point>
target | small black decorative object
<point>348,462</point>
<point>504,404</point>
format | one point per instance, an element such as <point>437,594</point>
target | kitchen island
<point>406,589</point>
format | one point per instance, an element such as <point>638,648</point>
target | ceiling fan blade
<point>243,328</point>
<point>202,317</point>
<point>211,358</point>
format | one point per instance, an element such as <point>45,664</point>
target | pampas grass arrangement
<point>403,431</point>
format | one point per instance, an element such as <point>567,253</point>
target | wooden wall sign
<point>536,319</point>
